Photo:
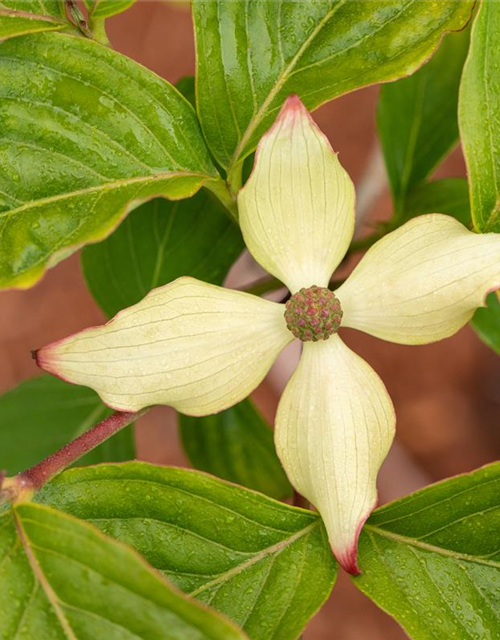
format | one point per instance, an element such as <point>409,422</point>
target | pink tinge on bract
<point>291,113</point>
<point>293,108</point>
<point>348,558</point>
<point>47,363</point>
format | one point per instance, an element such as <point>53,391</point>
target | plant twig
<point>300,501</point>
<point>35,477</point>
<point>98,30</point>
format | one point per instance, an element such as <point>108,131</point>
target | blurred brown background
<point>447,395</point>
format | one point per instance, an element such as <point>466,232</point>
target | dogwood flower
<point>202,348</point>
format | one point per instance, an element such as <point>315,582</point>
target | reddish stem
<point>37,476</point>
<point>300,501</point>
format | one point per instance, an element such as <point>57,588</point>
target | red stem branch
<point>37,476</point>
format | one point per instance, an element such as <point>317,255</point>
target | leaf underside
<point>157,243</point>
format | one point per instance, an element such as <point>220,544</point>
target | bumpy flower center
<point>313,314</point>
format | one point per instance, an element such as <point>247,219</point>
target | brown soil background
<point>447,395</point>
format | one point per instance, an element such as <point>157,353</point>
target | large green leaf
<point>264,564</point>
<point>432,559</point>
<point>18,17</point>
<point>85,134</point>
<point>417,117</point>
<point>449,195</point>
<point>251,54</point>
<point>158,242</point>
<point>41,415</point>
<point>237,445</point>
<point>486,322</point>
<point>479,120</point>
<point>63,580</point>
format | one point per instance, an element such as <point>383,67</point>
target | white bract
<point>201,348</point>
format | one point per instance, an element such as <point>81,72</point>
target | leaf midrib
<point>289,71</point>
<point>279,509</point>
<point>281,81</point>
<point>115,184</point>
<point>41,578</point>
<point>15,13</point>
<point>425,546</point>
<point>273,550</point>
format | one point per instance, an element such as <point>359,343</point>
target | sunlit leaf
<point>19,17</point>
<point>86,135</point>
<point>252,55</point>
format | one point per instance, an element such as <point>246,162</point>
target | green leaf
<point>237,445</point>
<point>41,415</point>
<point>187,87</point>
<point>417,117</point>
<point>266,565</point>
<point>486,322</point>
<point>18,17</point>
<point>479,121</point>
<point>449,195</point>
<point>158,242</point>
<point>252,55</point>
<point>107,8</point>
<point>432,559</point>
<point>63,580</point>
<point>86,135</point>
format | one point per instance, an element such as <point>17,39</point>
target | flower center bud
<point>313,314</point>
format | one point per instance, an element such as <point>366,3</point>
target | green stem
<point>300,501</point>
<point>98,29</point>
<point>220,189</point>
<point>235,177</point>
